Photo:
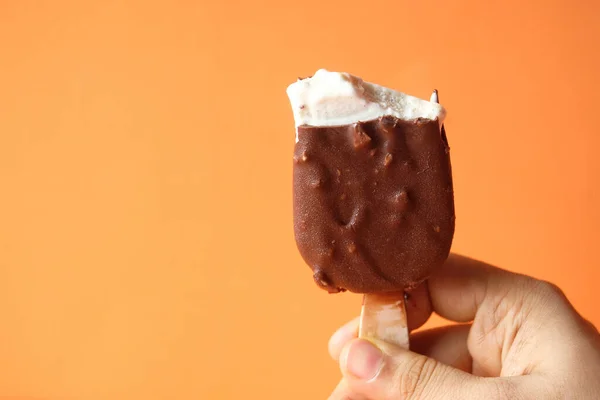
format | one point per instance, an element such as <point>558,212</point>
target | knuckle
<point>550,289</point>
<point>537,294</point>
<point>549,296</point>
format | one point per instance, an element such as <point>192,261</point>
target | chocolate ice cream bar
<point>373,195</point>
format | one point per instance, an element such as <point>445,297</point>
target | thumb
<point>380,371</point>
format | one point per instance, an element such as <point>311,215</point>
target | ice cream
<point>334,98</point>
<point>373,195</point>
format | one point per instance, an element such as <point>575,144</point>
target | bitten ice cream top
<point>373,195</point>
<point>337,98</point>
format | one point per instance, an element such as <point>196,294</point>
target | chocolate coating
<point>373,203</point>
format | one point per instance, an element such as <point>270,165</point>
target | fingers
<point>455,292</point>
<point>342,336</point>
<point>468,290</point>
<point>384,372</point>
<point>518,322</point>
<point>507,310</point>
<point>378,371</point>
<point>457,289</point>
<point>418,306</point>
<point>447,345</point>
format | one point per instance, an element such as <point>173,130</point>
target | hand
<point>525,341</point>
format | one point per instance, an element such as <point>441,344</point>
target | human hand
<point>524,341</point>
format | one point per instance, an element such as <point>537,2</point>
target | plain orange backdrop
<point>146,246</point>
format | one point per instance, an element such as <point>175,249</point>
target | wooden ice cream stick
<point>383,317</point>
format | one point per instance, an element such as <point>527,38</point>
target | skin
<point>516,338</point>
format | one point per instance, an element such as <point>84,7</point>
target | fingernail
<point>363,360</point>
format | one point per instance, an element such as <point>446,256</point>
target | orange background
<point>146,247</point>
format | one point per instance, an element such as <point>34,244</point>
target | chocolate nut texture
<point>373,203</point>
